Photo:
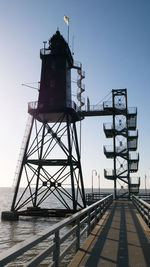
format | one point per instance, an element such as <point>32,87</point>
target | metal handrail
<point>134,156</point>
<point>110,149</point>
<point>93,108</point>
<point>34,105</point>
<point>95,196</point>
<point>132,111</point>
<point>23,145</point>
<point>83,221</point>
<point>133,134</point>
<point>143,207</point>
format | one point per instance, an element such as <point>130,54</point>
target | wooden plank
<point>144,226</point>
<point>124,243</point>
<point>85,247</point>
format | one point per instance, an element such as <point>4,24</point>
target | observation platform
<point>121,238</point>
<point>44,112</point>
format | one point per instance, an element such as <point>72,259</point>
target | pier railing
<point>82,223</point>
<point>95,196</point>
<point>143,207</point>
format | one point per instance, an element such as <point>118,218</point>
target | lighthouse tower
<point>55,86</point>
<point>50,168</point>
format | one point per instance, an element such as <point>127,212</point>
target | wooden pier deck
<point>121,238</point>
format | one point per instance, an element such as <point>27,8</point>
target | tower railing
<point>132,134</point>
<point>35,105</point>
<point>109,126</point>
<point>110,149</point>
<point>133,156</point>
<point>135,180</point>
<point>133,166</point>
<point>132,144</point>
<point>109,104</point>
<point>132,111</point>
<point>111,172</point>
<point>93,108</point>
<point>45,51</point>
<point>131,121</point>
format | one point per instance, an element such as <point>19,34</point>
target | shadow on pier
<point>121,238</point>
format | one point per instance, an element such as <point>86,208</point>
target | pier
<point>115,233</point>
<point>121,238</point>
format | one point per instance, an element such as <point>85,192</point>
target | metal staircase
<point>123,132</point>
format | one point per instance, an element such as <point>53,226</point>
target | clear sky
<point>111,39</point>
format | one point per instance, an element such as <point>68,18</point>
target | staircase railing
<point>23,145</point>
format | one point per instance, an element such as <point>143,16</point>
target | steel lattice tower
<point>50,161</point>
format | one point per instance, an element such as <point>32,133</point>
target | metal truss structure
<point>50,164</point>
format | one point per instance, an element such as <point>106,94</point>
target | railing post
<point>99,211</point>
<point>112,199</point>
<point>56,253</point>
<point>148,217</point>
<point>95,215</point>
<point>142,210</point>
<point>105,202</point>
<point>78,234</point>
<point>89,222</point>
<point>102,208</point>
<point>108,202</point>
<point>133,199</point>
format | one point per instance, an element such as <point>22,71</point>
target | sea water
<point>12,232</point>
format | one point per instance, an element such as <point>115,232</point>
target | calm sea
<point>12,232</point>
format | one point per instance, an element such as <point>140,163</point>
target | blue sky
<point>111,39</point>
